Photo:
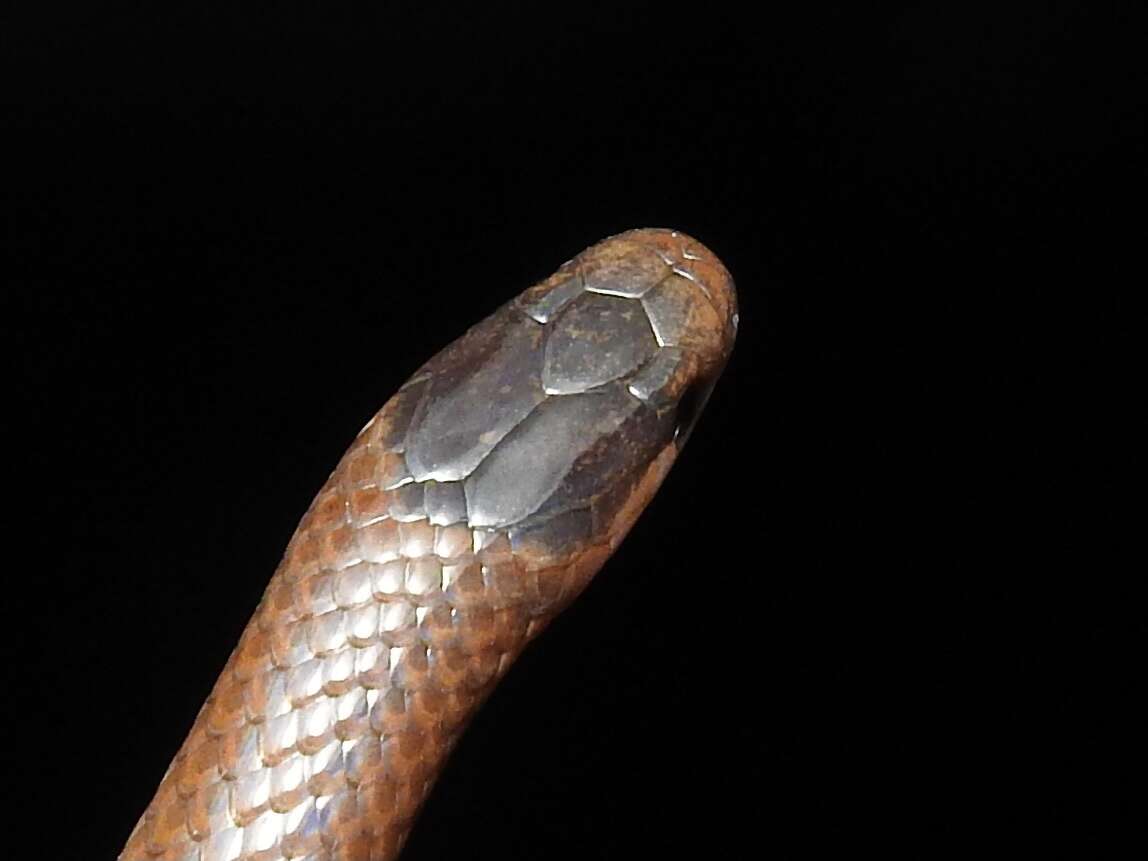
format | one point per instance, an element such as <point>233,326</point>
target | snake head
<point>553,421</point>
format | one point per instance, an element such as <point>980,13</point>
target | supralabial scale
<point>473,507</point>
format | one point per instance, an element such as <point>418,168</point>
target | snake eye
<point>688,408</point>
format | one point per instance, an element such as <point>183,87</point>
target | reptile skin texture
<point>473,507</point>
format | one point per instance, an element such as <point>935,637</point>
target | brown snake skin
<point>475,505</point>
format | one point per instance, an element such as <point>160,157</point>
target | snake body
<point>473,507</point>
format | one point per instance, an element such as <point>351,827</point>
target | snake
<point>474,506</point>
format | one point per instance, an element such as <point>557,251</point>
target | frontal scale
<point>474,505</point>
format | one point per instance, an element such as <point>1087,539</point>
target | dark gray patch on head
<point>570,449</point>
<point>597,339</point>
<point>478,399</point>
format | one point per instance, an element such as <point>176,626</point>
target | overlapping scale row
<point>474,505</point>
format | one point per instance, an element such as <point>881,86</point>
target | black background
<point>864,613</point>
